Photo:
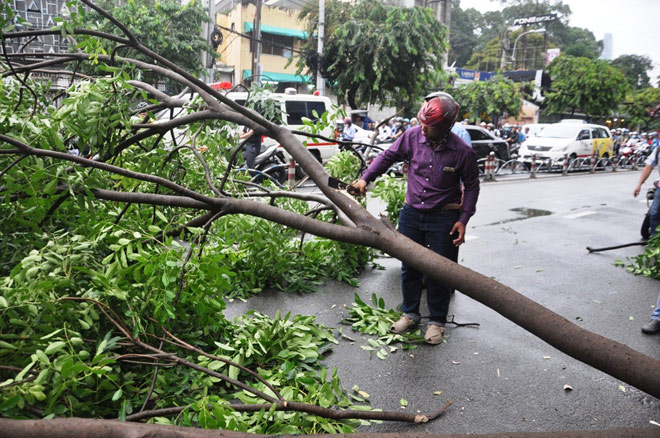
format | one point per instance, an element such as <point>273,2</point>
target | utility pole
<point>210,63</point>
<point>320,82</point>
<point>506,46</point>
<point>256,35</point>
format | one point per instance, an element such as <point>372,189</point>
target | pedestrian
<point>653,326</point>
<point>462,133</point>
<point>252,148</point>
<point>432,214</point>
<point>349,130</point>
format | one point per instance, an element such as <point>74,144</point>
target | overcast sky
<point>634,24</point>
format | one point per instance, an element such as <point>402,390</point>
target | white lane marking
<point>471,237</point>
<point>581,214</point>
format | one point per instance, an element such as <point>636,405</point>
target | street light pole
<point>320,82</point>
<point>513,53</point>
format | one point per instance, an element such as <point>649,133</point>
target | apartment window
<point>278,45</point>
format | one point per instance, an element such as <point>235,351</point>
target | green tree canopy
<point>639,104</point>
<point>583,85</point>
<point>495,31</point>
<point>489,99</point>
<point>635,68</point>
<point>380,53</point>
<point>464,36</point>
<point>167,27</point>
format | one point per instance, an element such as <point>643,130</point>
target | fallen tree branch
<point>88,428</point>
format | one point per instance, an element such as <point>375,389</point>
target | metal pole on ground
<point>634,158</point>
<point>533,170</point>
<point>594,157</point>
<point>489,167</point>
<point>564,165</point>
<point>615,161</point>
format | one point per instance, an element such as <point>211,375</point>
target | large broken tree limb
<point>87,428</point>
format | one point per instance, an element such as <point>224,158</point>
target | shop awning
<point>279,77</point>
<point>274,30</point>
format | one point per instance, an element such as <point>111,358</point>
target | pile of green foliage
<point>647,263</point>
<point>67,255</point>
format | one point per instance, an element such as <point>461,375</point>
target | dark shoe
<point>652,327</point>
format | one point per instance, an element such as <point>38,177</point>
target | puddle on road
<point>525,213</point>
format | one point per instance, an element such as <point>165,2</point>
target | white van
<point>294,108</point>
<point>573,139</point>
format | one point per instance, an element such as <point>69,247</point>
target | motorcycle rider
<point>349,130</point>
<point>654,141</point>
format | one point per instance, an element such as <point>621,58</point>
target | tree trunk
<point>88,428</point>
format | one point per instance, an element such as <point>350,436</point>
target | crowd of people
<point>512,134</point>
<point>626,141</point>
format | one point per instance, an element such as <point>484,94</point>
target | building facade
<point>282,36</point>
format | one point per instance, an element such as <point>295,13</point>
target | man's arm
<point>642,178</point>
<point>396,152</point>
<point>470,177</point>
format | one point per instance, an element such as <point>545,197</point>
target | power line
<point>272,43</point>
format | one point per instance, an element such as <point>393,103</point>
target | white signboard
<point>551,54</point>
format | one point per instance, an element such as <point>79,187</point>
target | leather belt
<point>453,206</point>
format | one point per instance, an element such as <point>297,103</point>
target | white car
<point>573,140</point>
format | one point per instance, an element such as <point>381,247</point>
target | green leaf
<point>117,395</point>
<point>55,347</point>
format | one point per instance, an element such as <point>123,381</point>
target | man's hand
<point>361,185</point>
<point>637,190</point>
<point>459,228</point>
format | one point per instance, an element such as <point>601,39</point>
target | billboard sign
<point>534,20</point>
<point>473,75</point>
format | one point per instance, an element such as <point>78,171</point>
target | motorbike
<point>271,164</point>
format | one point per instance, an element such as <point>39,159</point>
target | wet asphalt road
<point>499,377</point>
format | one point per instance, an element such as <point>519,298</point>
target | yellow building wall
<point>235,50</point>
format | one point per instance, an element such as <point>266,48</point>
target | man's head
<point>348,121</point>
<point>437,116</point>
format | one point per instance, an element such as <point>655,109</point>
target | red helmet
<point>440,111</point>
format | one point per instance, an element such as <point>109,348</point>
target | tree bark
<point>88,428</point>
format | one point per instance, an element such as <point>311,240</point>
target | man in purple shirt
<point>437,208</point>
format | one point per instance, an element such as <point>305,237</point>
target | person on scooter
<point>432,214</point>
<point>653,326</point>
<point>349,130</point>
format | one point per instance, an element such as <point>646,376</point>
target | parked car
<point>573,139</point>
<point>483,143</point>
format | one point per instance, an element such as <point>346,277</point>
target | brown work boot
<point>434,334</point>
<point>402,325</point>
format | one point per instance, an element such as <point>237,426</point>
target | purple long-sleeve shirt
<point>434,176</point>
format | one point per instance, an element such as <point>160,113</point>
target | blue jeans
<point>656,312</point>
<point>430,229</point>
<point>654,212</point>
